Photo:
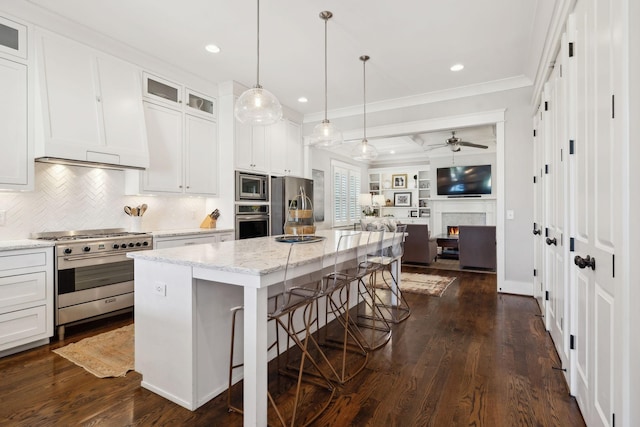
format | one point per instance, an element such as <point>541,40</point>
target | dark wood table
<point>449,245</point>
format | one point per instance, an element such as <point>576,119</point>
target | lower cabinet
<point>163,242</point>
<point>26,299</point>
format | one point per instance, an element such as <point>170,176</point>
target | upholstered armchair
<point>419,246</point>
<point>477,246</point>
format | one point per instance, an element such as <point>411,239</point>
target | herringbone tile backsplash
<point>79,198</point>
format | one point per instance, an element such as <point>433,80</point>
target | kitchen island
<point>182,318</point>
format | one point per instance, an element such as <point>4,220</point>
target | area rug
<point>109,354</point>
<point>429,284</point>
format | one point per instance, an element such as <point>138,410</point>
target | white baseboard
<point>515,287</point>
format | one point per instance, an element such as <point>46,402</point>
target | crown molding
<point>426,98</point>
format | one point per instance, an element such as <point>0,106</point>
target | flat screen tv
<point>464,180</point>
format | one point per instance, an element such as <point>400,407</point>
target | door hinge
<point>572,243</point>
<point>546,232</point>
<point>613,106</point>
<point>534,133</point>
<point>534,179</point>
<point>546,295</point>
<point>613,265</point>
<point>535,272</point>
<point>561,155</point>
<point>546,169</point>
<point>560,70</point>
<point>546,106</point>
<point>613,420</point>
<point>572,342</point>
<point>572,147</point>
<point>570,49</point>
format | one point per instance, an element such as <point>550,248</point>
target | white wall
<point>79,198</point>
<point>518,152</point>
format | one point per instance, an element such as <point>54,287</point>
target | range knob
<point>138,244</point>
<point>86,248</point>
<point>145,243</point>
<point>67,251</point>
<point>116,246</point>
<point>130,245</point>
<point>124,245</point>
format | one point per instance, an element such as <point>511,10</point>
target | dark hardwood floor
<point>469,358</point>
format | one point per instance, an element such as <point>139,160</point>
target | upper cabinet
<point>183,141</point>
<point>16,162</point>
<point>285,146</point>
<point>90,105</point>
<point>13,38</point>
<point>251,147</point>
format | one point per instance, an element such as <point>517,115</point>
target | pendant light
<point>258,106</point>
<point>364,151</point>
<point>325,134</point>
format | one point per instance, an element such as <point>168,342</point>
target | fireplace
<point>455,212</point>
<point>452,230</point>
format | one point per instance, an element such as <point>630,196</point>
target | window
<point>346,189</point>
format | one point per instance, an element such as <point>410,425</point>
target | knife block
<point>208,222</point>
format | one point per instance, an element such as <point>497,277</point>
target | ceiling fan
<point>455,144</point>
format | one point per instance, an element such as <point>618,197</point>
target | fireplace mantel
<point>439,207</point>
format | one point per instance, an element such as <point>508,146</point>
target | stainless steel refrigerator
<point>284,189</point>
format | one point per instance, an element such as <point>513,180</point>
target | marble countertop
<point>190,231</point>
<point>258,256</point>
<point>11,245</point>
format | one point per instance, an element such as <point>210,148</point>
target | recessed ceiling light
<point>457,67</point>
<point>212,48</point>
<point>392,152</point>
<point>302,99</point>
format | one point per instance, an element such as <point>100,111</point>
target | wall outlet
<point>511,214</point>
<point>160,288</point>
<point>3,217</point>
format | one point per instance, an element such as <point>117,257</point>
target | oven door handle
<point>82,257</point>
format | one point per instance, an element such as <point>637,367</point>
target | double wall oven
<point>252,205</point>
<point>93,276</point>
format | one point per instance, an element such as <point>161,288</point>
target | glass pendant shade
<point>325,134</point>
<point>258,107</point>
<point>364,152</point>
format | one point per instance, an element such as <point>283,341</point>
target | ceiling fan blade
<point>471,144</point>
<point>433,147</point>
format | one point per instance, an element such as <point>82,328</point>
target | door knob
<point>553,241</point>
<point>585,262</point>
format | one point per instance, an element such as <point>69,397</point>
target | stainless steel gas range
<point>93,276</point>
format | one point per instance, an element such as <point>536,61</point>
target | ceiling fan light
<point>258,106</point>
<point>325,134</point>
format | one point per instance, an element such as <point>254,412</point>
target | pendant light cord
<point>258,46</point>
<point>325,68</point>
<point>364,59</point>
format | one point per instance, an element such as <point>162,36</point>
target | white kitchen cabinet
<point>201,156</point>
<point>172,241</point>
<point>285,147</point>
<point>26,299</point>
<point>16,164</point>
<point>13,38</point>
<point>90,105</point>
<point>183,154</point>
<point>251,148</point>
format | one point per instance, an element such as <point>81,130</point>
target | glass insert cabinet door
<point>13,38</point>
<point>164,90</point>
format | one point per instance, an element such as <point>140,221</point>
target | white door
<point>557,240</point>
<point>14,162</point>
<point>164,133</point>
<point>596,211</point>
<point>201,155</point>
<point>538,225</point>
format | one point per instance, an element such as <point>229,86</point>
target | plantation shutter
<point>346,188</point>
